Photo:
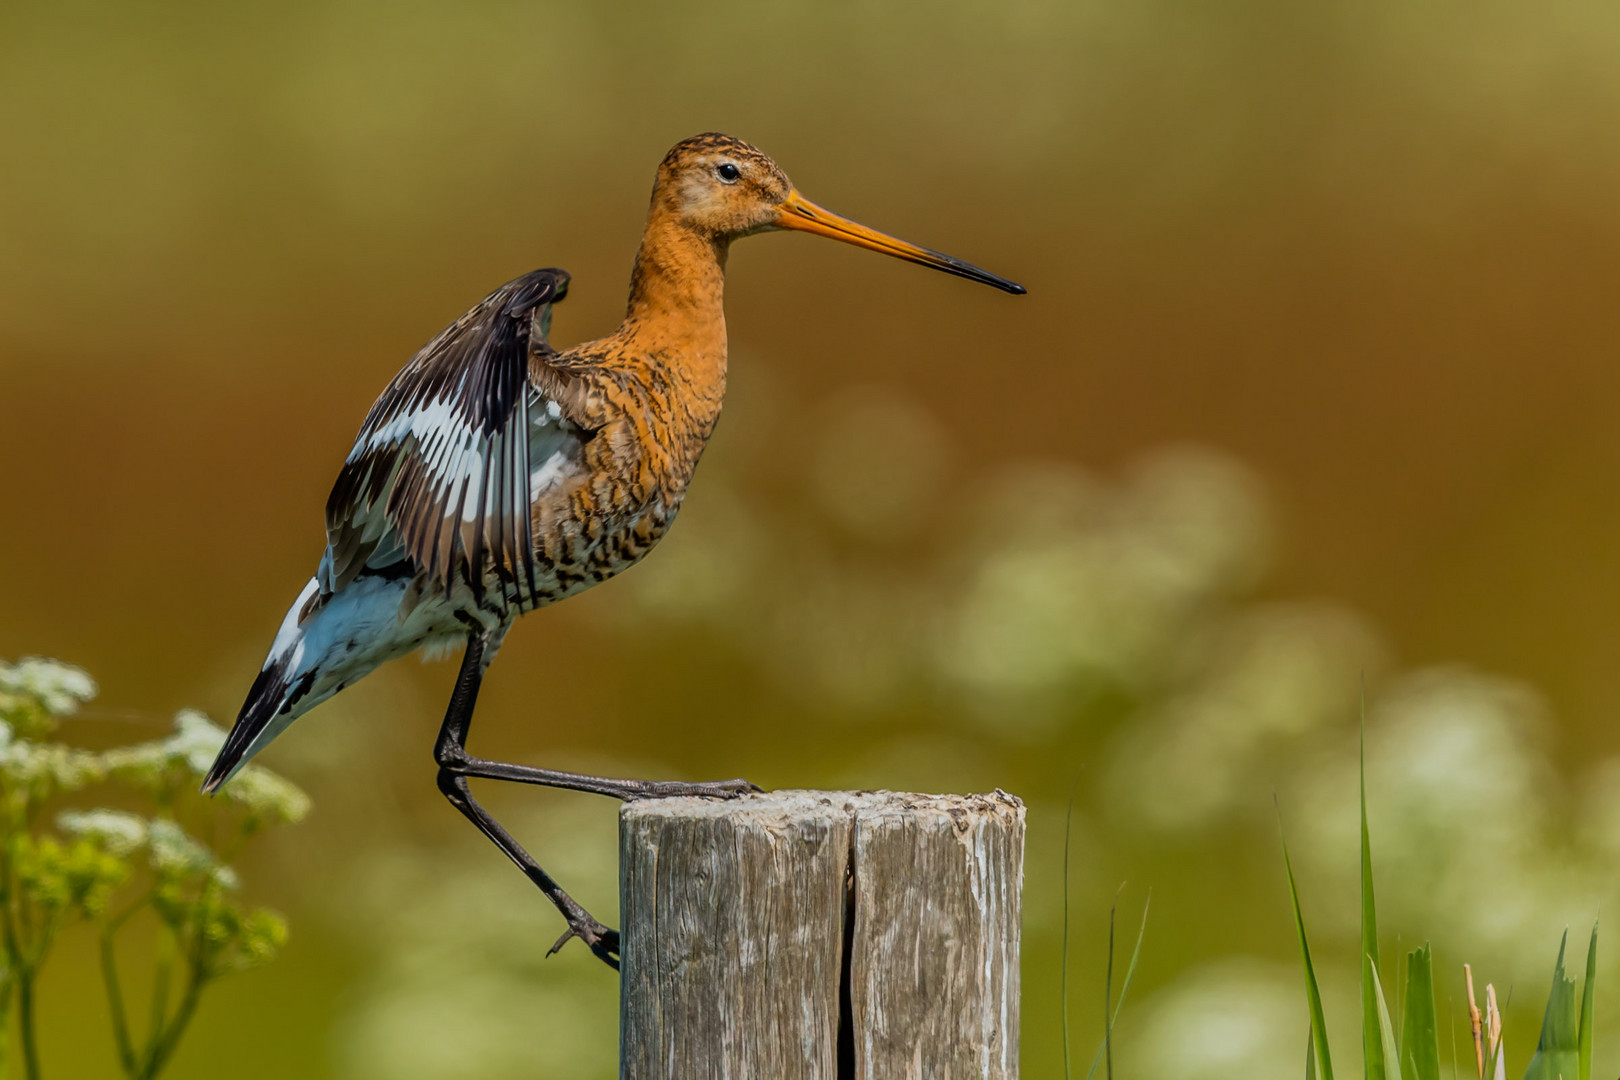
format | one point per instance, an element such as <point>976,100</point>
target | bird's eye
<point>727,173</point>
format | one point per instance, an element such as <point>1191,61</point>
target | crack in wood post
<point>846,1007</point>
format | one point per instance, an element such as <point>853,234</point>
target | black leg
<point>628,790</point>
<point>453,757</point>
<point>452,736</point>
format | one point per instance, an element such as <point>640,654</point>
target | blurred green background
<point>1315,383</point>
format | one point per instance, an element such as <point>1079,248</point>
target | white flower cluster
<point>183,759</point>
<point>36,694</point>
<point>174,853</point>
<point>59,688</point>
<point>42,769</point>
<point>114,831</point>
<point>170,850</point>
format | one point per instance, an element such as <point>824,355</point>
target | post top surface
<point>802,804</point>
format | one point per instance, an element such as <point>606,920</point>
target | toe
<point>566,934</point>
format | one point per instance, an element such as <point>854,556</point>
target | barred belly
<point>568,562</point>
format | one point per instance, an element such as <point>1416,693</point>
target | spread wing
<point>440,473</point>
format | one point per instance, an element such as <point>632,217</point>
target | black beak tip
<point>985,277</point>
<point>995,281</point>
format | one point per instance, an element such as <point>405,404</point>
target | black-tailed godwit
<point>495,475</point>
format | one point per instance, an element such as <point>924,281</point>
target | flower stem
<point>161,966</point>
<point>160,1051</point>
<point>21,974</point>
<point>115,1001</point>
<point>25,1020</point>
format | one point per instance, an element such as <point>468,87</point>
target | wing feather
<point>440,468</point>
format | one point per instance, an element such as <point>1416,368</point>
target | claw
<point>725,789</point>
<point>601,941</point>
<point>732,789</point>
<point>709,789</point>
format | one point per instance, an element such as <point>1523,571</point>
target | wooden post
<point>821,935</point>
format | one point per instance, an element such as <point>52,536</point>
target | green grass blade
<point>1585,1039</point>
<point>1558,1051</point>
<point>1124,987</point>
<point>1068,824</point>
<point>1420,1037</point>
<point>1310,1056</point>
<point>1386,1033</point>
<point>1372,1048</point>
<point>1313,995</point>
<point>1108,988</point>
<point>1136,955</point>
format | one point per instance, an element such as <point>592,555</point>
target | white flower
<point>47,767</point>
<point>59,688</point>
<point>265,795</point>
<point>196,740</point>
<point>186,757</point>
<point>118,832</point>
<point>190,749</point>
<point>174,851</point>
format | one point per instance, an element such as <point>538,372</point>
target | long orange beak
<point>802,215</point>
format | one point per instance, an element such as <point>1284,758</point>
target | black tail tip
<point>216,777</point>
<point>265,698</point>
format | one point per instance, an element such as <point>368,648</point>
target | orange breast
<point>652,417</point>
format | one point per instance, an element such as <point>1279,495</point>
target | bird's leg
<point>453,758</point>
<point>628,790</point>
<point>449,753</point>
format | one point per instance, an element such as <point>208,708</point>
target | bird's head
<point>723,188</point>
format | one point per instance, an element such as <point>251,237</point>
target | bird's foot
<point>708,789</point>
<point>601,940</point>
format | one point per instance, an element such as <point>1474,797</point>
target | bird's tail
<point>278,696</point>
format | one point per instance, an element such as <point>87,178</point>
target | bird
<point>496,475</point>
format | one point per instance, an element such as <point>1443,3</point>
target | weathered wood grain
<point>821,936</point>
<point>933,972</point>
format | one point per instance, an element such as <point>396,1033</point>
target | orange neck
<point>677,295</point>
